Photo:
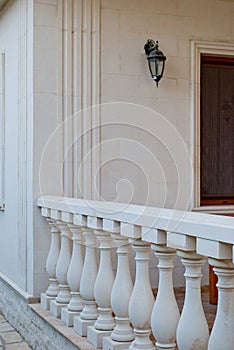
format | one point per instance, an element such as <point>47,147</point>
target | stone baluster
<point>63,263</point>
<point>222,334</point>
<point>121,293</point>
<point>102,292</point>
<point>192,330</point>
<point>51,262</point>
<point>142,299</point>
<point>76,303</point>
<point>122,335</point>
<point>165,314</point>
<point>89,313</point>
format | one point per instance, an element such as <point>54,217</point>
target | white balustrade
<point>142,299</point>
<point>75,269</point>
<point>165,314</point>
<point>222,335</point>
<point>51,263</point>
<point>193,236</point>
<point>192,330</point>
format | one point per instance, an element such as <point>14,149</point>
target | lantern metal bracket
<point>150,46</point>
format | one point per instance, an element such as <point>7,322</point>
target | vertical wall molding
<point>2,128</point>
<point>24,141</point>
<point>81,80</point>
<point>67,73</point>
<point>86,79</point>
<point>77,91</point>
<point>95,99</point>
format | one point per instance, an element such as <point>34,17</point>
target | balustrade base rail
<point>82,343</point>
<point>70,336</point>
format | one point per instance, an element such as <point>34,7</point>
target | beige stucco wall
<point>125,28</point>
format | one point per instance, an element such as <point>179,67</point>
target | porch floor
<point>10,339</point>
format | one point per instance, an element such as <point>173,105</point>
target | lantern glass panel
<point>156,67</point>
<point>152,67</point>
<point>160,65</point>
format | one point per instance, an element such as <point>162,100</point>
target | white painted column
<point>51,263</point>
<point>142,299</point>
<point>89,313</point>
<point>76,303</point>
<point>102,292</point>
<point>63,263</point>
<point>192,330</point>
<point>165,314</point>
<point>222,334</point>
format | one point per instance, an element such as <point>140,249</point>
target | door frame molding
<point>197,48</point>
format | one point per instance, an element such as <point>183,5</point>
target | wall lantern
<point>156,60</point>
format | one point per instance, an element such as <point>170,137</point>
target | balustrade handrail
<point>207,226</point>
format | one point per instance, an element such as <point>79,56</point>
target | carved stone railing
<point>111,311</point>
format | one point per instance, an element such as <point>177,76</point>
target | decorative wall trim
<point>95,135</point>
<point>198,48</point>
<point>81,80</point>
<point>2,129</point>
<point>25,144</point>
<point>22,145</point>
<point>67,72</point>
<point>77,89</point>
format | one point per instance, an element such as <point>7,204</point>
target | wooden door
<point>217,137</point>
<point>217,130</point>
